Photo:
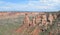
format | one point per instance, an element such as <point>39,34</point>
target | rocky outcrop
<point>38,21</point>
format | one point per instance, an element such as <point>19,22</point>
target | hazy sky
<point>29,5</point>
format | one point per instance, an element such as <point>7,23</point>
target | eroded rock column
<point>50,18</point>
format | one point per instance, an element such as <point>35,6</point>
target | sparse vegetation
<point>10,25</point>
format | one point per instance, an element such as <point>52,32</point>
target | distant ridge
<point>29,11</point>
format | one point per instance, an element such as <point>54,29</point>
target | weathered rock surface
<point>39,22</point>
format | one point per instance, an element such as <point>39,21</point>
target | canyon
<point>33,23</point>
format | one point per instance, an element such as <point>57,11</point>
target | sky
<point>29,5</point>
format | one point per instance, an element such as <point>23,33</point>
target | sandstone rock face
<point>34,21</point>
<point>26,19</point>
<point>38,19</point>
<point>44,19</point>
<point>50,18</point>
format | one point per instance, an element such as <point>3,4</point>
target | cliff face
<point>38,17</point>
<point>38,20</point>
<point>33,22</point>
